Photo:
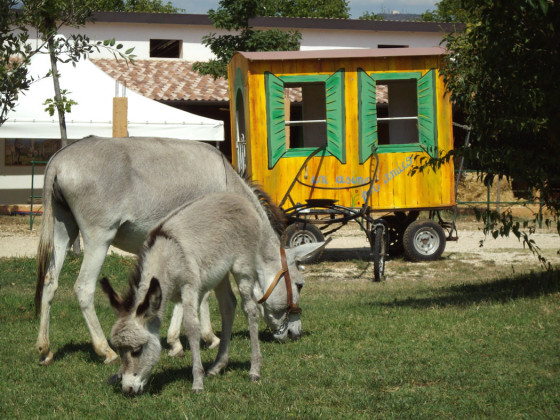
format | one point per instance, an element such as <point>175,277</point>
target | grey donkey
<point>114,191</point>
<point>192,252</point>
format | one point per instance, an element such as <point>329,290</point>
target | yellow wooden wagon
<point>334,136</point>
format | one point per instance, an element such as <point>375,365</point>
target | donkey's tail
<point>46,246</point>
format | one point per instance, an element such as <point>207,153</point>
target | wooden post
<point>120,115</point>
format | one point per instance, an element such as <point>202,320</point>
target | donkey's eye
<point>301,267</point>
<point>136,352</point>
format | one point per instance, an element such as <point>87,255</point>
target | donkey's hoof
<point>176,352</point>
<point>45,360</point>
<point>197,390</point>
<point>254,378</point>
<point>212,343</point>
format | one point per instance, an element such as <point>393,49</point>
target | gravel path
<point>16,240</point>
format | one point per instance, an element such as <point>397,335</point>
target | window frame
<point>276,117</point>
<point>426,113</point>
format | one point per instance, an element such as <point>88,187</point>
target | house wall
<point>394,189</point>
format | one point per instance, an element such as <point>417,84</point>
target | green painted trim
<point>238,82</point>
<point>367,116</point>
<point>304,152</point>
<point>275,119</point>
<point>305,78</point>
<point>400,148</point>
<point>403,75</point>
<point>336,115</point>
<point>427,110</point>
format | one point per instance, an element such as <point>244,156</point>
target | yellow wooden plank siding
<point>394,188</point>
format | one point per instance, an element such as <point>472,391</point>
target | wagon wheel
<point>379,250</point>
<point>302,233</point>
<point>424,240</point>
<point>396,225</point>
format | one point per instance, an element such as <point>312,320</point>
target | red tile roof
<point>165,79</point>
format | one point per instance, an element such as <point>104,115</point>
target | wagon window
<point>306,115</point>
<point>397,119</point>
<point>404,120</point>
<point>303,113</point>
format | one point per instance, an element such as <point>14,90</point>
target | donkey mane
<point>275,214</point>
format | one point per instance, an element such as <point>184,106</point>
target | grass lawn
<point>447,339</point>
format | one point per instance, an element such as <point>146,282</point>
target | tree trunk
<point>76,248</point>
<point>57,94</point>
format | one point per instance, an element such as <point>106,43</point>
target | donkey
<point>114,191</point>
<point>190,253</point>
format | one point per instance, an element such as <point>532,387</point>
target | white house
<point>166,45</point>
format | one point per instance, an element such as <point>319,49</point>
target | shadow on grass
<point>160,380</point>
<point>71,348</point>
<point>345,254</point>
<point>530,285</point>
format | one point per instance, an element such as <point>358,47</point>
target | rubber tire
<point>424,240</point>
<point>379,253</point>
<point>299,234</point>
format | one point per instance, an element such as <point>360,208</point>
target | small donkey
<point>191,252</point>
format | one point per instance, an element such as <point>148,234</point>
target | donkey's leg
<point>227,302</point>
<point>191,302</point>
<point>175,331</point>
<point>205,324</point>
<point>206,332</point>
<point>245,284</point>
<point>65,231</point>
<point>94,255</point>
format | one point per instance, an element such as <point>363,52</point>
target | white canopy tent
<point>94,90</point>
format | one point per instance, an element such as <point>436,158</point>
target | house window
<point>391,46</point>
<point>304,113</point>
<point>165,48</point>
<point>407,122</point>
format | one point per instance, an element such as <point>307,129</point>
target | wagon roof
<point>342,53</point>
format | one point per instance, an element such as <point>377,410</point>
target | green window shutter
<point>275,118</point>
<point>336,141</point>
<point>367,115</point>
<point>427,112</point>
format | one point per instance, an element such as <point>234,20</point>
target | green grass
<point>447,339</point>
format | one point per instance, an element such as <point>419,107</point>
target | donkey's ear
<point>114,298</point>
<point>307,252</point>
<point>152,301</point>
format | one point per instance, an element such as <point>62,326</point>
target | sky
<point>357,7</point>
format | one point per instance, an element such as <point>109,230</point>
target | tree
<point>449,11</point>
<point>371,16</point>
<point>147,6</point>
<point>334,9</point>
<point>13,57</point>
<point>234,15</point>
<point>500,73</point>
<point>46,17</point>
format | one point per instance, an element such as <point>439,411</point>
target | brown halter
<point>293,308</point>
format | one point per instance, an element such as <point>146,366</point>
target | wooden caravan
<point>335,134</point>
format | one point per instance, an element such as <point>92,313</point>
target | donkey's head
<point>135,335</point>
<point>280,302</point>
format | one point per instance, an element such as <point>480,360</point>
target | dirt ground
<point>17,240</point>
